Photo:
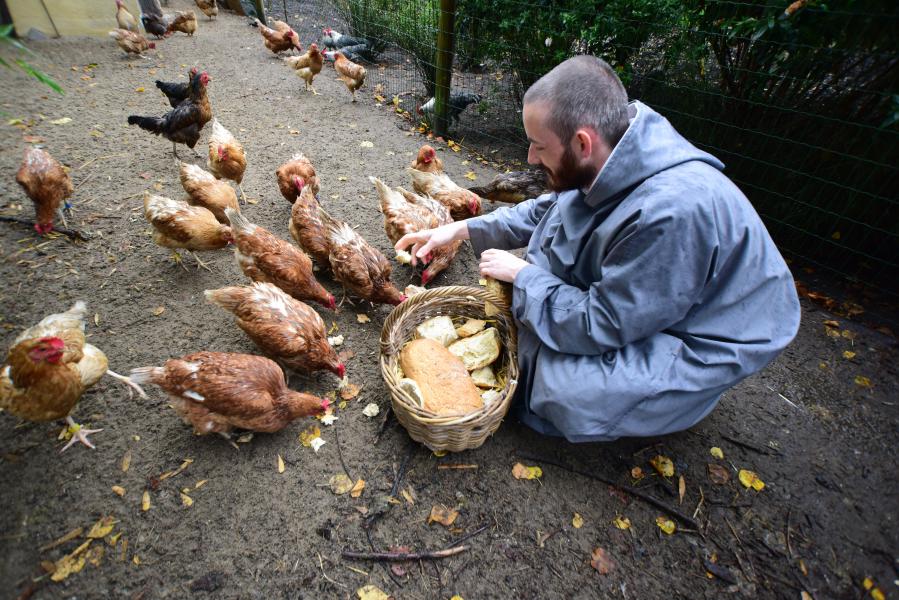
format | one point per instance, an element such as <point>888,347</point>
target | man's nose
<point>532,157</point>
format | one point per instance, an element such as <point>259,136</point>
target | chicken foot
<point>243,195</point>
<point>127,381</point>
<point>200,263</point>
<point>79,434</point>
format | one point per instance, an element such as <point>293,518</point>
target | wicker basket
<point>454,433</point>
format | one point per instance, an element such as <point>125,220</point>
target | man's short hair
<point>583,91</point>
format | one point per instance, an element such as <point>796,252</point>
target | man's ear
<point>583,143</point>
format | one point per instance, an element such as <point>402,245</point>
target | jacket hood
<point>649,146</point>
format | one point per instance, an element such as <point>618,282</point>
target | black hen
<point>181,125</point>
<point>458,101</point>
<point>360,52</point>
<point>513,187</point>
<point>154,24</point>
<point>177,92</point>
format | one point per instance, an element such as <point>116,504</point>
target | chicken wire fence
<point>800,101</point>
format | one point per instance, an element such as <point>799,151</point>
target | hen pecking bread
<point>184,21</point>
<point>124,18</point>
<point>296,175</point>
<point>217,392</point>
<point>49,367</point>
<point>351,74</point>
<point>514,187</point>
<point>307,66</point>
<point>278,41</point>
<point>286,329</point>
<point>183,124</point>
<point>264,257</point>
<point>47,184</point>
<point>130,42</point>
<point>401,216</point>
<point>226,156</point>
<point>307,228</point>
<point>440,258</point>
<point>176,224</point>
<point>427,160</point>
<point>205,190</point>
<point>461,203</point>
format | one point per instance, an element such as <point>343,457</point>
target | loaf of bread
<point>442,378</point>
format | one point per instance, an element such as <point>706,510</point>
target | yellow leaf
<point>868,583</point>
<point>849,335</point>
<point>637,473</point>
<point>751,479</point>
<point>200,484</point>
<point>439,453</point>
<point>280,464</point>
<point>145,501</point>
<point>663,465</point>
<point>471,175</point>
<point>71,563</point>
<point>443,515</point>
<point>126,461</point>
<point>876,594</point>
<point>622,522</point>
<point>101,528</point>
<point>341,178</point>
<point>803,568</point>
<point>832,323</point>
<point>519,471</point>
<point>361,318</point>
<point>371,592</point>
<point>118,490</point>
<point>340,484</point>
<point>681,489</point>
<point>835,235</point>
<point>136,560</point>
<point>457,597</point>
<point>158,311</point>
<point>848,354</point>
<point>666,525</point>
<point>139,90</point>
<point>309,434</point>
<point>716,452</point>
<point>114,539</point>
<point>357,489</point>
<point>349,391</point>
<point>408,496</point>
<point>186,500</point>
<point>578,521</point>
<point>862,381</point>
<point>803,595</point>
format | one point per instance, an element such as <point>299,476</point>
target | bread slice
<point>442,378</point>
<point>478,350</point>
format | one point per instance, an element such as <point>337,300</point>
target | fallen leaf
<point>118,490</point>
<point>849,335</point>
<point>309,434</point>
<point>357,489</point>
<point>717,474</point>
<point>681,489</point>
<point>371,592</point>
<point>666,525</point>
<point>60,541</point>
<point>200,484</point>
<point>139,90</point>
<point>408,496</point>
<point>443,515</point>
<point>101,528</point>
<point>803,595</point>
<point>832,323</point>
<point>440,453</point>
<point>457,597</point>
<point>716,452</point>
<point>622,522</point>
<point>471,175</point>
<point>601,561</point>
<point>577,521</point>
<point>61,121</point>
<point>280,464</point>
<point>366,144</point>
<point>663,465</point>
<point>362,318</point>
<point>867,583</point>
<point>751,479</point>
<point>349,391</point>
<point>345,355</point>
<point>136,560</point>
<point>145,501</point>
<point>126,461</point>
<point>876,594</point>
<point>637,473</point>
<point>245,438</point>
<point>186,500</point>
<point>519,471</point>
<point>862,381</point>
<point>158,311</point>
<point>848,354</point>
<point>341,178</point>
<point>32,139</point>
<point>803,568</point>
<point>71,563</point>
<point>114,539</point>
<point>340,483</point>
<point>316,444</point>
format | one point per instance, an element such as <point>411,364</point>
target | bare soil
<point>823,444</point>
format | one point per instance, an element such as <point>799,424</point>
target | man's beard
<point>570,175</point>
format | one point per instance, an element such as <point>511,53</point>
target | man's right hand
<point>423,242</point>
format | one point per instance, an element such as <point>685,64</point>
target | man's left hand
<point>501,265</point>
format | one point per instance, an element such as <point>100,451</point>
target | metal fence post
<point>445,40</point>
<point>260,12</point>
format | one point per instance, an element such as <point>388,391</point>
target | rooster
<point>176,224</point>
<point>278,41</point>
<point>296,175</point>
<point>461,203</point>
<point>286,329</point>
<point>48,369</point>
<point>458,101</point>
<point>307,228</point>
<point>208,7</point>
<point>124,18</point>
<point>351,74</point>
<point>47,184</point>
<point>226,156</point>
<point>130,42</point>
<point>360,268</point>
<point>185,21</point>
<point>264,257</point>
<point>514,187</point>
<point>177,92</point>
<point>205,190</point>
<point>307,66</point>
<point>183,124</point>
<point>217,392</point>
<point>439,258</point>
<point>427,160</point>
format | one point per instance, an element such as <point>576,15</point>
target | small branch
<point>456,467</point>
<point>771,452</point>
<point>72,233</point>
<point>340,454</point>
<point>625,488</point>
<point>404,556</point>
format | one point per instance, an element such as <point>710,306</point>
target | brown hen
<point>298,167</point>
<point>308,230</point>
<point>205,190</point>
<point>46,183</point>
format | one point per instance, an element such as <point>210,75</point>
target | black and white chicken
<point>458,101</point>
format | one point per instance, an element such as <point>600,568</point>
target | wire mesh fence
<point>801,100</point>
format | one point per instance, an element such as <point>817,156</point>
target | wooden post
<point>445,41</point>
<point>260,12</point>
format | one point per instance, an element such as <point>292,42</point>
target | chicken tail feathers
<point>151,124</point>
<point>225,298</point>
<point>239,223</point>
<point>146,374</point>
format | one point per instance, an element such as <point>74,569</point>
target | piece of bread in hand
<point>443,379</point>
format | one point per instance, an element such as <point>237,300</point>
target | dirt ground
<point>823,444</point>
